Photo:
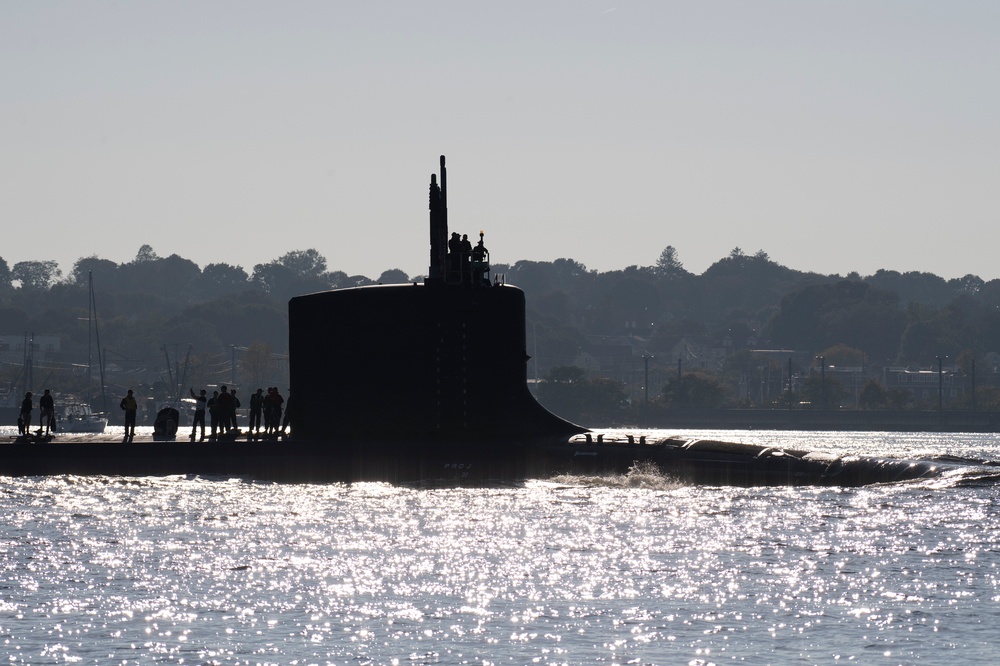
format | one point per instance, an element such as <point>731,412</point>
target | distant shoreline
<point>828,419</point>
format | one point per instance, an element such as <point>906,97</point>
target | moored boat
<point>78,417</point>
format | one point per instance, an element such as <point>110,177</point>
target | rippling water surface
<point>635,569</point>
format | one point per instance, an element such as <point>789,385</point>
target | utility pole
<point>822,378</point>
<point>940,386</point>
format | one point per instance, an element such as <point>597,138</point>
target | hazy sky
<point>836,136</point>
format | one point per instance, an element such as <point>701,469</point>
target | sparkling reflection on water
<point>635,569</point>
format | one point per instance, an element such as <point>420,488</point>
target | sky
<point>837,137</point>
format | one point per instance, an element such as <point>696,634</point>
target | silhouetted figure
<point>454,258</point>
<point>272,410</point>
<point>224,405</point>
<point>287,421</point>
<point>256,408</point>
<point>213,414</point>
<point>200,403</point>
<point>24,425</point>
<point>466,255</point>
<point>235,405</point>
<point>130,406</point>
<point>480,264</point>
<point>47,415</point>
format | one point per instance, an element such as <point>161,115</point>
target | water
<point>635,569</point>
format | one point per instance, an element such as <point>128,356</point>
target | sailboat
<point>77,417</point>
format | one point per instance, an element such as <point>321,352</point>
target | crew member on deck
<point>454,258</point>
<point>201,401</point>
<point>466,255</point>
<point>130,406</point>
<point>256,406</point>
<point>213,414</point>
<point>47,417</point>
<point>24,425</point>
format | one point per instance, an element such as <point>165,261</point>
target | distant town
<point>640,344</point>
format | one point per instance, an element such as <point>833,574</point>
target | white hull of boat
<point>90,425</point>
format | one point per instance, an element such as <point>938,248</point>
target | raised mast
<point>438,205</point>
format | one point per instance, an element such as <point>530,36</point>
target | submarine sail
<point>445,359</point>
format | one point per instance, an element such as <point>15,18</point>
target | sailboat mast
<point>90,332</point>
<point>97,339</point>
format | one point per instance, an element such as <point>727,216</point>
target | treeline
<point>740,303</point>
<point>159,313</point>
<point>748,301</point>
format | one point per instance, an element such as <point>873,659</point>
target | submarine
<point>427,383</point>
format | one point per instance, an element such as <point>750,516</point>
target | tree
<point>898,398</point>
<point>823,391</point>
<point>272,277</point>
<point>84,266</point>
<point>393,276</point>
<point>257,366</point>
<point>4,274</point>
<point>219,279</point>
<point>695,390</point>
<point>669,264</point>
<point>873,395</point>
<point>842,355</point>
<point>566,392</point>
<point>36,274</point>
<point>852,313</point>
<point>304,263</point>
<point>145,253</point>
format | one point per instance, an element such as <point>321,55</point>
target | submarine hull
<point>463,463</point>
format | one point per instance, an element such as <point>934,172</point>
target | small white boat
<point>78,417</point>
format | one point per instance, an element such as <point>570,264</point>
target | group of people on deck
<point>270,414</point>
<point>222,406</point>
<point>468,264</point>
<point>46,416</point>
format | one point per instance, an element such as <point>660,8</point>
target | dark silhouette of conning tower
<point>440,361</point>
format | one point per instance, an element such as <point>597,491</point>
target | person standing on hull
<point>287,421</point>
<point>466,257</point>
<point>213,414</point>
<point>455,258</point>
<point>130,406</point>
<point>200,402</point>
<point>232,412</point>
<point>256,407</point>
<point>273,409</point>
<point>47,415</point>
<point>24,425</point>
<point>224,403</point>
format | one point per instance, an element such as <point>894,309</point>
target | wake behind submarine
<point>427,383</point>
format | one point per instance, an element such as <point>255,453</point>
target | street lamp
<point>645,384</point>
<point>822,378</point>
<point>940,359</point>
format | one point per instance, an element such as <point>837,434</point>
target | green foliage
<point>820,316</point>
<point>669,265</point>
<point>823,392</point>
<point>36,274</point>
<point>591,402</point>
<point>874,395</point>
<point>889,318</point>
<point>898,398</point>
<point>695,390</point>
<point>842,355</point>
<point>5,276</point>
<point>393,276</point>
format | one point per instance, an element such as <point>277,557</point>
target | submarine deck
<point>288,459</point>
